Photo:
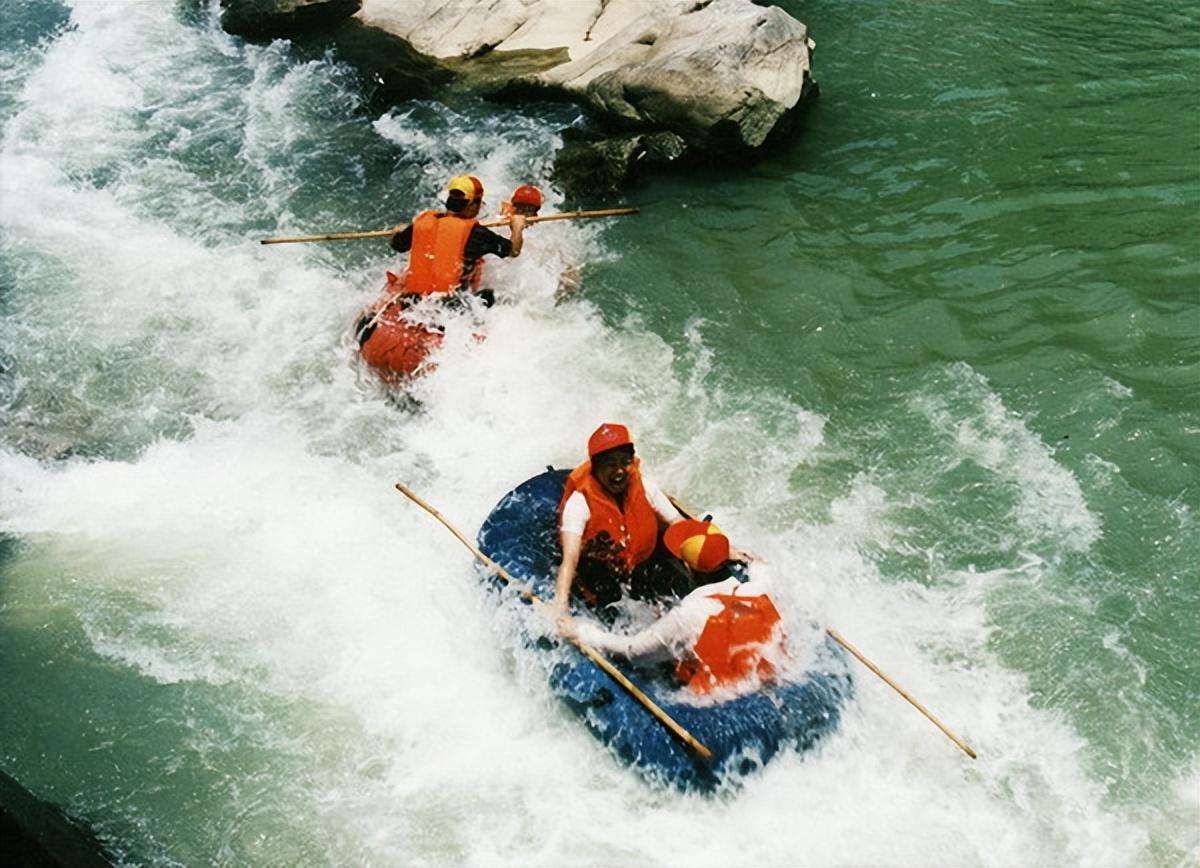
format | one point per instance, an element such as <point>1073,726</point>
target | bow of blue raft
<point>743,734</point>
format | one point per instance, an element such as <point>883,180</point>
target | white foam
<point>1050,503</point>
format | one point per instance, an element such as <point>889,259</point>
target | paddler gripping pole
<point>495,221</point>
<point>837,637</point>
<point>590,652</point>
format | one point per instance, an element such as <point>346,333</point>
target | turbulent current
<point>936,359</point>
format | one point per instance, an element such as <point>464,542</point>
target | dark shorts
<point>661,576</point>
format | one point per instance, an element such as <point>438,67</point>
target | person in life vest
<point>609,520</point>
<point>725,634</point>
<point>446,248</point>
<point>526,200</point>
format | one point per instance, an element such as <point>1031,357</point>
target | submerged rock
<point>392,69</point>
<point>268,19</point>
<point>36,833</point>
<point>591,163</point>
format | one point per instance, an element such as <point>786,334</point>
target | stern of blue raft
<point>743,734</point>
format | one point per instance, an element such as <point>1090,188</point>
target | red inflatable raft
<point>396,347</point>
<point>396,344</point>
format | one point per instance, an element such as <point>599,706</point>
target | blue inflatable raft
<point>743,734</point>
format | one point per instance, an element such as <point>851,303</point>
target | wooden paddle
<point>837,637</point>
<point>495,221</point>
<point>591,653</point>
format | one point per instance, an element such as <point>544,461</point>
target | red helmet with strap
<point>527,194</point>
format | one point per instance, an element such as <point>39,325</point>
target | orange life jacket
<point>623,535</point>
<point>435,258</point>
<point>730,647</point>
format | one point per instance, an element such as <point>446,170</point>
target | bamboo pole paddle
<point>590,652</point>
<point>841,640</point>
<point>837,637</point>
<point>495,221</point>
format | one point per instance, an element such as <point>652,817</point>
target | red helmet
<point>608,436</point>
<point>527,194</point>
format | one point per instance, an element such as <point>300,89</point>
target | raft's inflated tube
<point>743,733</point>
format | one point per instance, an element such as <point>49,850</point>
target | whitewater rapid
<point>199,478</point>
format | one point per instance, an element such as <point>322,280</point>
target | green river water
<point>937,357</point>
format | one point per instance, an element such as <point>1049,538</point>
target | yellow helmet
<point>468,186</point>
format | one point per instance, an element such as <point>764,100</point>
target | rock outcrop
<point>719,76</point>
<point>718,73</point>
<point>268,19</point>
<point>664,79</point>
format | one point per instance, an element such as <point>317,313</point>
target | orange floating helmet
<point>699,544</point>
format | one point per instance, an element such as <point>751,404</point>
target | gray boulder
<point>270,19</point>
<point>720,75</point>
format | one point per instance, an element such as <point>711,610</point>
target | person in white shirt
<point>610,516</point>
